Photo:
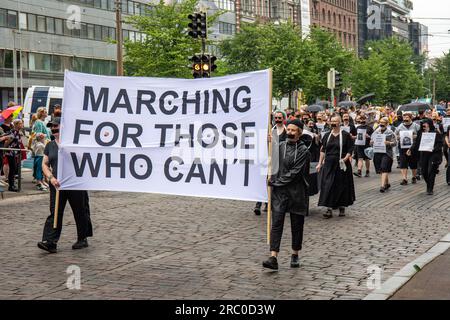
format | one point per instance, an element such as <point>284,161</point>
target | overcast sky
<point>440,41</point>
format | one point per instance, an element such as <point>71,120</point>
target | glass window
<point>84,31</point>
<point>42,62</point>
<point>112,33</point>
<point>90,28</point>
<point>97,3</point>
<point>67,31</point>
<point>31,22</point>
<point>126,34</point>
<point>105,4</point>
<point>124,6</point>
<point>50,25</point>
<point>41,23</point>
<point>56,65</point>
<point>76,30</point>
<point>132,36</point>
<point>66,62</point>
<point>58,26</point>
<point>138,37</point>
<point>90,3</point>
<point>97,32</point>
<point>8,60</point>
<point>83,65</point>
<point>105,33</point>
<point>23,21</point>
<point>113,68</point>
<point>12,19</point>
<point>137,8</point>
<point>3,18</point>
<point>130,7</point>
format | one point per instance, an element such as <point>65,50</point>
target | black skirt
<point>382,162</point>
<point>313,181</point>
<point>336,186</point>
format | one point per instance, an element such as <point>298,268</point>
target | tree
<point>439,73</point>
<point>166,47</point>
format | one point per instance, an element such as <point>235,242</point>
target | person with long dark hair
<point>337,188</point>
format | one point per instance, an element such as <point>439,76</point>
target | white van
<point>40,96</point>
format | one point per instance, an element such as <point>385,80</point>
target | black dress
<point>336,187</point>
<point>314,150</point>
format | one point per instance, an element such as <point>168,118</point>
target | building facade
<point>339,17</point>
<point>418,36</point>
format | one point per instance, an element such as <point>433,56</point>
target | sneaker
<point>80,244</point>
<point>13,189</point>
<point>294,261</point>
<point>271,263</point>
<point>404,182</point>
<point>41,187</point>
<point>414,180</point>
<point>47,246</point>
<point>257,211</point>
<point>341,212</point>
<point>328,214</point>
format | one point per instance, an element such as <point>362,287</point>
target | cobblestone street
<point>149,246</point>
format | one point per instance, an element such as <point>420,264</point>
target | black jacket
<point>289,179</point>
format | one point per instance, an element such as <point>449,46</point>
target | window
<point>132,36</point>
<point>58,26</point>
<point>84,31</point>
<point>3,18</point>
<point>90,28</point>
<point>41,24</point>
<point>104,4</point>
<point>125,34</point>
<point>42,62</point>
<point>76,30</point>
<point>138,37</point>
<point>105,33</point>
<point>8,59</point>
<point>83,65</point>
<point>97,3</point>
<point>97,32</point>
<point>130,7</point>
<point>137,8</point>
<point>50,25</point>
<point>23,21</point>
<point>31,22</point>
<point>56,65</point>
<point>112,33</point>
<point>67,31</point>
<point>12,19</point>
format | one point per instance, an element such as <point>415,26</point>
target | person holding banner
<point>278,136</point>
<point>289,188</point>
<point>429,144</point>
<point>337,188</point>
<point>383,160</point>
<point>78,200</point>
<point>406,134</point>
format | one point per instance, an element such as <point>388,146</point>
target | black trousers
<point>276,232</point>
<point>429,163</point>
<point>12,170</point>
<point>79,202</point>
<point>259,204</point>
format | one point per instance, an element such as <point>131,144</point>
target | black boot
<point>47,246</point>
<point>271,263</point>
<point>294,261</point>
<point>80,244</point>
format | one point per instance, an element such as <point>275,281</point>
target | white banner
<point>361,137</point>
<point>446,123</point>
<point>379,145</point>
<point>427,141</point>
<point>406,139</point>
<point>196,137</point>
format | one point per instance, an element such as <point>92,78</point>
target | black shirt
<point>51,151</point>
<point>331,146</point>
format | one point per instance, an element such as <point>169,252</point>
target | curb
<point>394,283</point>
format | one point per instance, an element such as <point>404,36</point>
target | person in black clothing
<point>289,193</point>
<point>278,136</point>
<point>13,142</point>
<point>311,138</point>
<point>429,161</point>
<point>78,200</point>
<point>362,157</point>
<point>337,188</point>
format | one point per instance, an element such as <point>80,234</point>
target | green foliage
<point>439,74</point>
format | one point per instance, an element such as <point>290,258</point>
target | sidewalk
<point>431,283</point>
<point>28,188</point>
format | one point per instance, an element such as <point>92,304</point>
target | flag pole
<point>269,127</point>
<point>55,218</point>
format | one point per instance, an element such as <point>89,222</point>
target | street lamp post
<point>119,38</point>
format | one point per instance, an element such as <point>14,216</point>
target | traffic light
<point>194,25</point>
<point>337,79</point>
<point>212,61</point>
<point>196,66</point>
<point>206,70</point>
<point>202,26</point>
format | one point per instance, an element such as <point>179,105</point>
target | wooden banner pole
<point>55,216</point>
<point>269,196</point>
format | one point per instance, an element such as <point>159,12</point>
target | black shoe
<point>265,208</point>
<point>387,186</point>
<point>382,189</point>
<point>257,211</point>
<point>367,174</point>
<point>341,212</point>
<point>13,189</point>
<point>328,214</point>
<point>80,244</point>
<point>271,263</point>
<point>414,180</point>
<point>47,246</point>
<point>294,261</point>
<point>430,192</point>
<point>404,182</point>
<point>418,178</point>
<point>357,174</point>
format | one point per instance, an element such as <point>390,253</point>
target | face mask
<point>382,126</point>
<point>278,121</point>
<point>54,130</point>
<point>334,125</point>
<point>291,136</point>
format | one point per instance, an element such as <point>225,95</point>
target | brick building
<point>339,17</point>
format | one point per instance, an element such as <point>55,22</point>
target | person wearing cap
<point>78,200</point>
<point>289,191</point>
<point>337,189</point>
<point>429,160</point>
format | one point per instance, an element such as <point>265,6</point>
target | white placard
<point>312,167</point>
<point>446,123</point>
<point>379,145</point>
<point>191,137</point>
<point>427,141</point>
<point>320,126</point>
<point>406,139</point>
<point>346,128</point>
<point>361,137</point>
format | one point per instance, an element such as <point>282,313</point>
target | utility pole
<point>434,89</point>
<point>119,38</point>
<point>15,66</point>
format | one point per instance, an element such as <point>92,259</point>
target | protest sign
<point>379,145</point>
<point>406,139</point>
<point>196,137</point>
<point>361,137</point>
<point>446,123</point>
<point>427,141</point>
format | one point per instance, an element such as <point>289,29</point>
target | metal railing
<point>19,169</point>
